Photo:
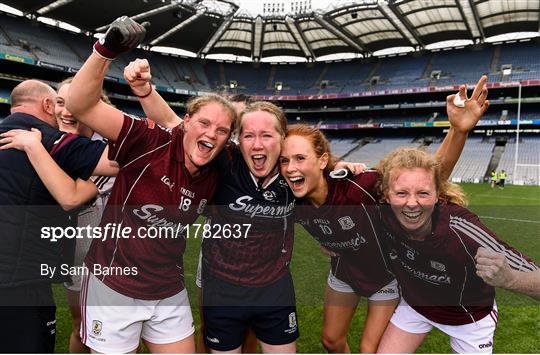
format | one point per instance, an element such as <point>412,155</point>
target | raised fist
<point>137,74</point>
<point>123,35</point>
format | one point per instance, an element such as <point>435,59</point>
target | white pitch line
<point>509,197</point>
<point>511,219</point>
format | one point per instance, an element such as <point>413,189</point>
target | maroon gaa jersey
<point>152,189</point>
<point>262,255</point>
<point>348,223</point>
<point>437,276</point>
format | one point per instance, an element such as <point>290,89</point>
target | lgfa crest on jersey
<point>346,222</point>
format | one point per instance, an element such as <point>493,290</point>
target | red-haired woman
<point>341,212</point>
<point>432,240</point>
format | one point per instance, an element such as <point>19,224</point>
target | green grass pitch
<point>513,213</point>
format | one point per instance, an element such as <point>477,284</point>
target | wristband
<point>145,95</point>
<point>103,51</point>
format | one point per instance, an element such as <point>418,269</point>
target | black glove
<point>123,35</point>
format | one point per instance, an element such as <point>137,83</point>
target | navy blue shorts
<point>28,323</point>
<point>229,310</point>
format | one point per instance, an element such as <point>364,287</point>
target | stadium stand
<point>346,76</point>
<point>474,160</point>
<point>461,66</point>
<point>401,72</point>
<point>341,146</point>
<point>371,153</point>
<point>523,59</point>
<point>39,42</point>
<point>296,78</point>
<point>24,37</point>
<point>529,153</point>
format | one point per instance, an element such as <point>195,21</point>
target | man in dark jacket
<point>26,302</point>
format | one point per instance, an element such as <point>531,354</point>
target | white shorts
<point>474,337</point>
<point>388,292</point>
<point>114,323</point>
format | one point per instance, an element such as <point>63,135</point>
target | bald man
<point>27,259</point>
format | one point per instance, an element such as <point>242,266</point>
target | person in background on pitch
<point>494,268</point>
<point>431,240</point>
<point>26,298</point>
<point>165,176</point>
<point>502,179</point>
<point>493,179</point>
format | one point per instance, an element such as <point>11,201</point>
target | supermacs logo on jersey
<point>242,204</point>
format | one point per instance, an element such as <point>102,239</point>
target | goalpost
<point>516,152</point>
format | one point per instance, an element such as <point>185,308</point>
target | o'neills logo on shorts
<point>487,345</point>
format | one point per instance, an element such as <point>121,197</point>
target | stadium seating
<point>344,76</point>
<point>523,58</point>
<point>529,153</point>
<point>371,153</point>
<point>401,72</point>
<point>341,146</point>
<point>461,66</point>
<point>38,42</point>
<point>474,160</point>
<point>22,36</point>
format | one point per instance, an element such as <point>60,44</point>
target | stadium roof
<point>208,27</point>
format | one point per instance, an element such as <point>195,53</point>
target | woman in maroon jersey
<point>246,281</point>
<point>431,241</point>
<point>349,228</point>
<point>340,212</point>
<point>135,286</point>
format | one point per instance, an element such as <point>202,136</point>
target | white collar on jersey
<point>256,181</point>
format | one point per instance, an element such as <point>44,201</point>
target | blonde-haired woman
<point>431,239</point>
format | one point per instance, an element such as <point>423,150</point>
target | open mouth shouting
<point>412,216</point>
<point>205,146</point>
<point>258,161</point>
<point>297,182</point>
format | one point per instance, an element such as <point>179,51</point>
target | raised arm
<point>67,192</point>
<point>83,99</point>
<point>493,268</point>
<point>463,114</point>
<point>138,76</point>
